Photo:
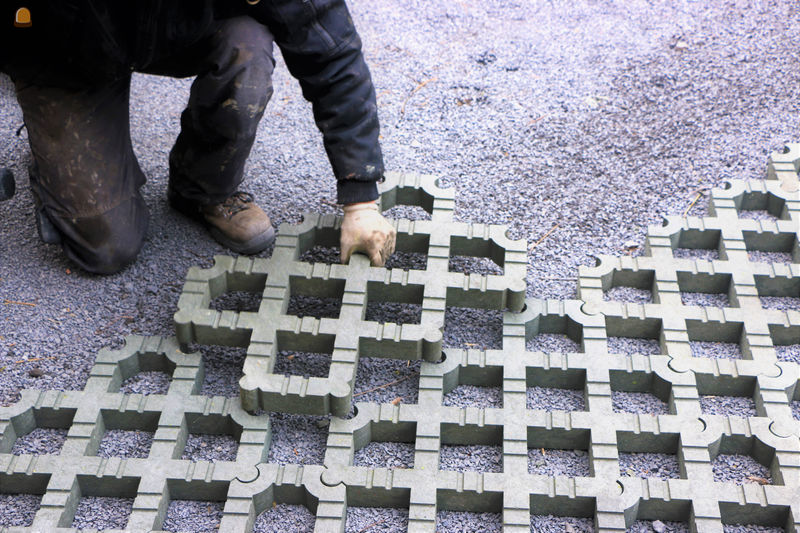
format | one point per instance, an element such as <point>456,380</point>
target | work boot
<point>237,223</point>
<point>48,233</point>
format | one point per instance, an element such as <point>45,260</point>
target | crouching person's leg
<point>85,177</point>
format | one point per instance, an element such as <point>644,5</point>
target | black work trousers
<point>85,173</point>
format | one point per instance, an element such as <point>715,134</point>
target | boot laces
<point>238,201</point>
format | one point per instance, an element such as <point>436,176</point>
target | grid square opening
<point>126,434</point>
<point>468,511</point>
<point>753,517</point>
<point>407,197</point>
<point>562,512</point>
<point>288,505</point>
<point>786,340</point>
<point>554,334</point>
<point>236,291</point>
<point>706,290</point>
<point>697,244</point>
<point>476,256</point>
<point>382,509</point>
<point>99,502</point>
<point>630,286</point>
<point>40,431</point>
<point>186,512</point>
<point>761,206</point>
<point>559,452</point>
<point>303,354</point>
<point>649,455</point>
<point>769,247</point>
<point>385,445</point>
<point>640,392</point>
<point>382,380</point>
<point>474,386</point>
<point>319,245</point>
<point>394,303</point>
<point>407,212</point>
<point>319,298</point>
<point>410,253</point>
<point>716,340</point>
<point>237,301</point>
<point>222,370</point>
<point>298,439</point>
<point>142,373</point>
<point>727,395</point>
<point>209,438</point>
<point>555,389</point>
<point>781,293</point>
<point>744,460</point>
<point>473,328</point>
<point>674,516</point>
<point>20,498</point>
<point>471,448</point>
<point>629,336</point>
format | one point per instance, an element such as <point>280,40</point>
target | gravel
<point>559,524</point>
<point>298,439</point>
<point>284,517</point>
<point>788,352</point>
<point>193,515</point>
<point>473,328</point>
<point>398,313</point>
<point>638,402</point>
<point>738,468</point>
<point>385,455</point>
<point>658,526</point>
<point>770,257</point>
<point>552,343</point>
<point>795,407</point>
<point>553,399</point>
<point>657,465</point>
<point>18,509</point>
<point>628,295</point>
<point>549,462</point>
<point>211,448</point>
<point>97,512</point>
<point>695,253</point>
<point>465,522</point>
<point>40,441</point>
<point>705,299</point>
<point>633,345</point>
<point>408,212</point>
<point>474,458</point>
<point>758,214</point>
<point>223,370</point>
<point>237,301</point>
<point>716,350</point>
<point>375,520</point>
<point>782,303</point>
<point>301,305</point>
<point>382,380</point>
<point>474,265</point>
<point>619,127</point>
<point>303,364</point>
<point>124,443</point>
<point>149,382</point>
<point>751,528</point>
<point>728,406</point>
<point>474,396</point>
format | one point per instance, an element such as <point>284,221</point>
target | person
<point>71,64</point>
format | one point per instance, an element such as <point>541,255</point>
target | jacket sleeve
<point>323,51</point>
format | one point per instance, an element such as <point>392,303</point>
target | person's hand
<point>365,230</point>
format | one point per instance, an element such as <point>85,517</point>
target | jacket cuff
<point>353,191</point>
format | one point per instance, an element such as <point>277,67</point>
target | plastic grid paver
<point>270,330</point>
<point>612,500</point>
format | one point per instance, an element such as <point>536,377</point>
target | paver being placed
<point>344,334</point>
<point>659,408</point>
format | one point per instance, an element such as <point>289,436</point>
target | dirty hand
<point>365,230</point>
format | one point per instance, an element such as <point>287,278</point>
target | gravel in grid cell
<point>769,257</point>
<point>751,528</point>
<point>781,303</point>
<point>739,469</point>
<point>385,455</point>
<point>238,301</point>
<point>552,343</point>
<point>716,350</point>
<point>560,524</point>
<point>145,383</point>
<point>322,254</point>
<point>408,212</point>
<point>212,448</point>
<point>638,402</point>
<point>407,261</point>
<point>658,526</point>
<point>382,380</point>
<point>98,512</point>
<point>472,458</point>
<point>550,462</point>
<point>466,522</point>
<point>376,520</point>
<point>695,253</point>
<point>757,214</point>
<point>633,345</point>
<point>125,443</point>
<point>705,299</point>
<point>223,370</point>
<point>193,515</point>
<point>283,518</point>
<point>788,353</point>
<point>474,396</point>
<point>298,439</point>
<point>304,364</point>
<point>394,312</point>
<point>728,405</point>
<point>474,265</point>
<point>40,441</point>
<point>473,328</point>
<point>301,305</point>
<point>649,465</point>
<point>553,399</point>
<point>795,406</point>
<point>18,510</point>
<point>628,295</point>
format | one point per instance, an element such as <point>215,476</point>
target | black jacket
<point>85,42</point>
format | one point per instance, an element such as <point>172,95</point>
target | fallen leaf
<point>759,480</point>
<point>397,400</point>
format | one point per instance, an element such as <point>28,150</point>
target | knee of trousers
<point>245,42</point>
<point>106,243</point>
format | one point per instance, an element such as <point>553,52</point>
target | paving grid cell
<point>349,335</point>
<point>424,490</point>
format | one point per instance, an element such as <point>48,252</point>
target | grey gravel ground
<point>96,512</point>
<point>638,402</point>
<point>552,399</point>
<point>376,520</point>
<point>18,509</point>
<point>705,299</point>
<point>552,343</point>
<point>548,462</point>
<point>475,458</point>
<point>149,382</point>
<point>384,380</point>
<point>560,524</point>
<point>695,253</point>
<point>586,117</point>
<point>716,350</point>
<point>658,526</point>
<point>782,303</point>
<point>751,528</point>
<point>770,257</point>
<point>210,448</point>
<point>465,522</point>
<point>628,295</point>
<point>657,465</point>
<point>789,352</point>
<point>633,345</point>
<point>284,517</point>
<point>298,439</point>
<point>385,455</point>
<point>473,328</point>
<point>474,396</point>
<point>795,406</point>
<point>40,441</point>
<point>738,468</point>
<point>124,443</point>
<point>728,406</point>
<point>193,515</point>
<point>236,301</point>
<point>223,369</point>
<point>758,214</point>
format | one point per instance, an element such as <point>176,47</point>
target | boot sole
<point>253,246</point>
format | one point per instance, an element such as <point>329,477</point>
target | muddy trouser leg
<point>85,173</point>
<point>227,101</point>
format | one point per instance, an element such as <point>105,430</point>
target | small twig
<point>13,302</point>
<point>546,235</point>
<point>385,385</point>
<point>699,193</point>
<point>369,526</point>
<point>535,120</point>
<point>34,359</point>
<point>413,92</point>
